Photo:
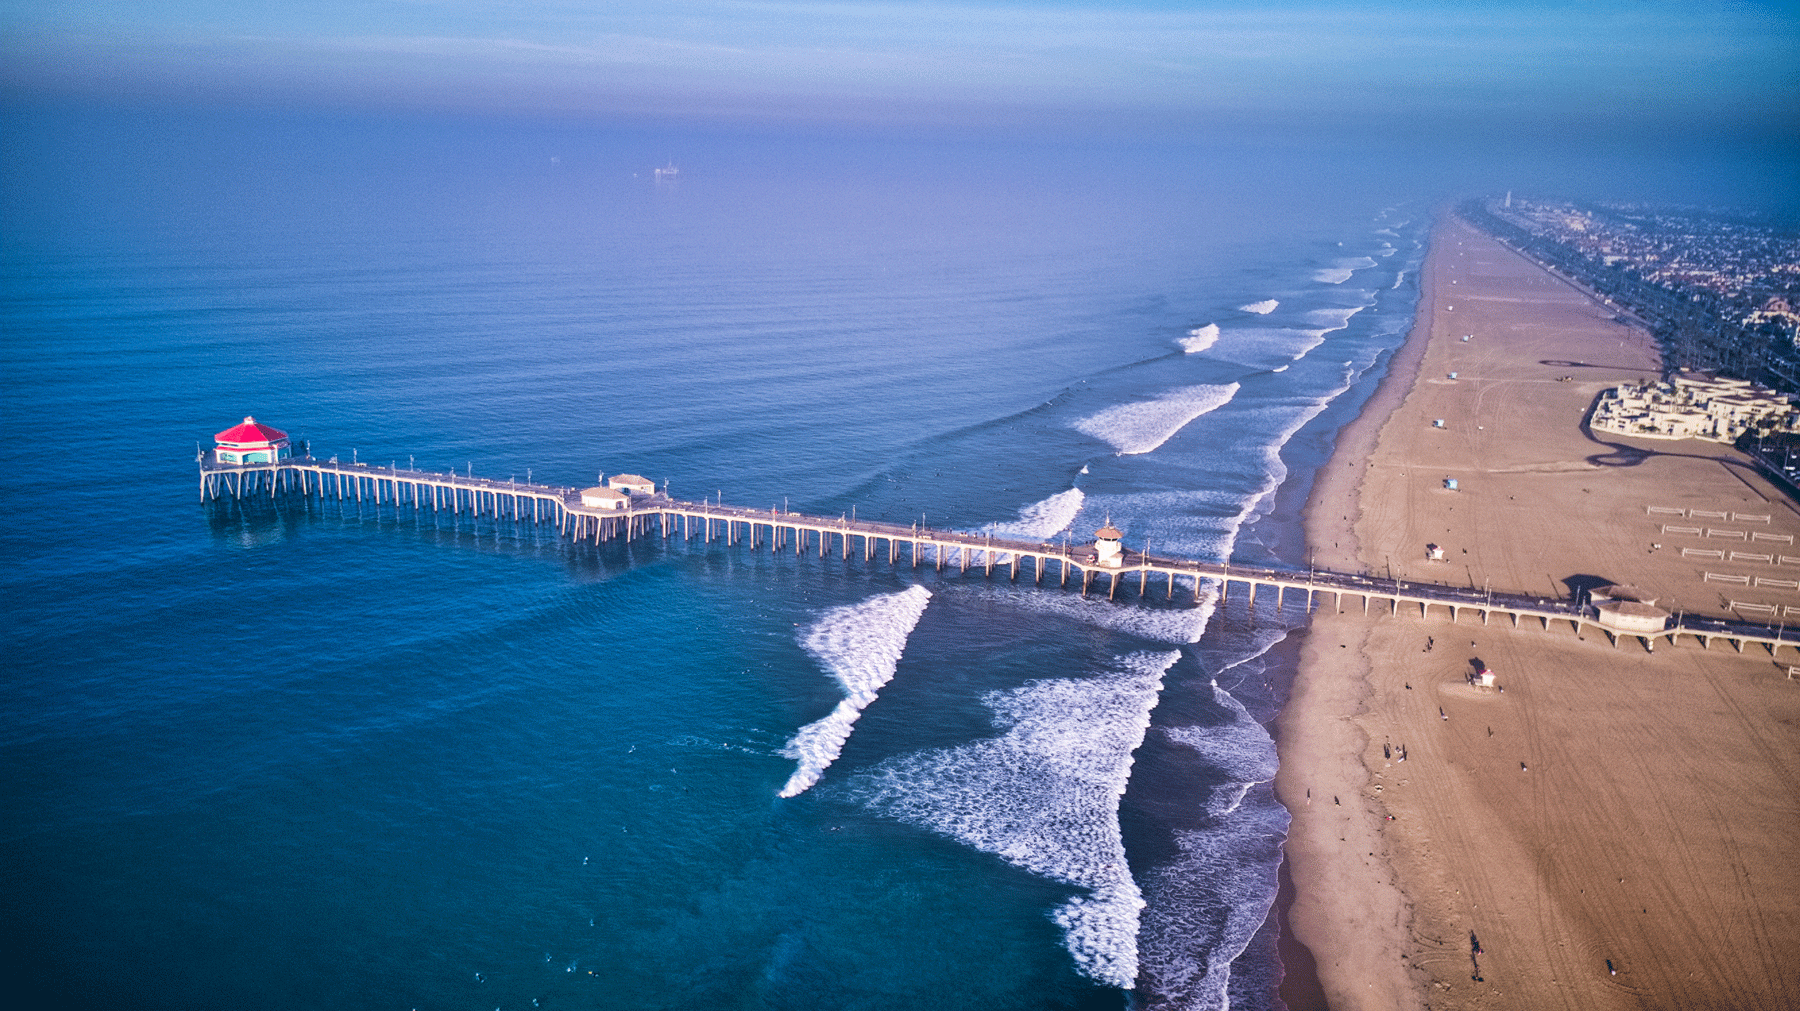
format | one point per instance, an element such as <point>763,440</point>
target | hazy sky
<point>1606,65</point>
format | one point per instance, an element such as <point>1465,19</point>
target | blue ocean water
<point>322,755</point>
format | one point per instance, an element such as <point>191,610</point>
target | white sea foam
<point>1335,318</point>
<point>1044,796</point>
<point>1200,338</point>
<point>1042,520</point>
<point>1141,427</point>
<point>1340,271</point>
<point>1263,308</point>
<point>1157,624</point>
<point>860,644</point>
<point>1241,749</point>
<point>1210,518</point>
<point>1206,904</point>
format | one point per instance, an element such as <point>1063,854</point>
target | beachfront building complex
<point>1693,405</point>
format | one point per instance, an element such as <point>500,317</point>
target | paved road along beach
<point>1615,829</point>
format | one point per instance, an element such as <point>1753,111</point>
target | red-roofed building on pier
<point>251,442</point>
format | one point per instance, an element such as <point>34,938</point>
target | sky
<point>1607,66</point>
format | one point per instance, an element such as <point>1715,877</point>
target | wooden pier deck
<point>658,515</point>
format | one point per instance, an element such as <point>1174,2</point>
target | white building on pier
<point>251,442</point>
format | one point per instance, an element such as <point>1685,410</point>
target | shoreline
<point>1556,845</point>
<point>1304,741</point>
<point>1335,483</point>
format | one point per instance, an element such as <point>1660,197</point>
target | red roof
<point>250,431</point>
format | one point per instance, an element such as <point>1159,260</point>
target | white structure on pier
<point>1107,549</point>
<point>631,484</point>
<point>1627,609</point>
<point>251,442</point>
<point>603,498</point>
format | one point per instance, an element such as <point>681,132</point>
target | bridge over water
<point>658,515</point>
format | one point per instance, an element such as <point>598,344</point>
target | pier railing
<point>658,515</point>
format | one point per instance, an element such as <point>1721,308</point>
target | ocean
<point>320,755</point>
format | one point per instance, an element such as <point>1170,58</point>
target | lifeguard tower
<point>1107,549</point>
<point>251,442</point>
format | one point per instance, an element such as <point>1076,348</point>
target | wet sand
<point>1611,803</point>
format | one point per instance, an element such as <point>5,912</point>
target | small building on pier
<point>1107,549</point>
<point>603,498</point>
<point>251,442</point>
<point>631,484</point>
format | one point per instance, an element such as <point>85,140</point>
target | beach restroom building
<point>251,442</point>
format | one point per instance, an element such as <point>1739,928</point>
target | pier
<point>1072,566</point>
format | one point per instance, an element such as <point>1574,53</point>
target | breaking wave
<point>1173,625</point>
<point>1207,903</point>
<point>1044,796</point>
<point>1042,520</point>
<point>1340,271</point>
<point>1141,427</point>
<point>1263,308</point>
<point>860,644</point>
<point>1200,338</point>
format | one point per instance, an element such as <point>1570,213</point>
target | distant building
<point>603,498</point>
<point>631,484</point>
<point>251,442</point>
<point>1694,405</point>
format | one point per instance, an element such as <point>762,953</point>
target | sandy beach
<point>1614,829</point>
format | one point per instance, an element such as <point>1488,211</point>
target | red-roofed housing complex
<point>251,442</point>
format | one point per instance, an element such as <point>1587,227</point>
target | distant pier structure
<point>252,460</point>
